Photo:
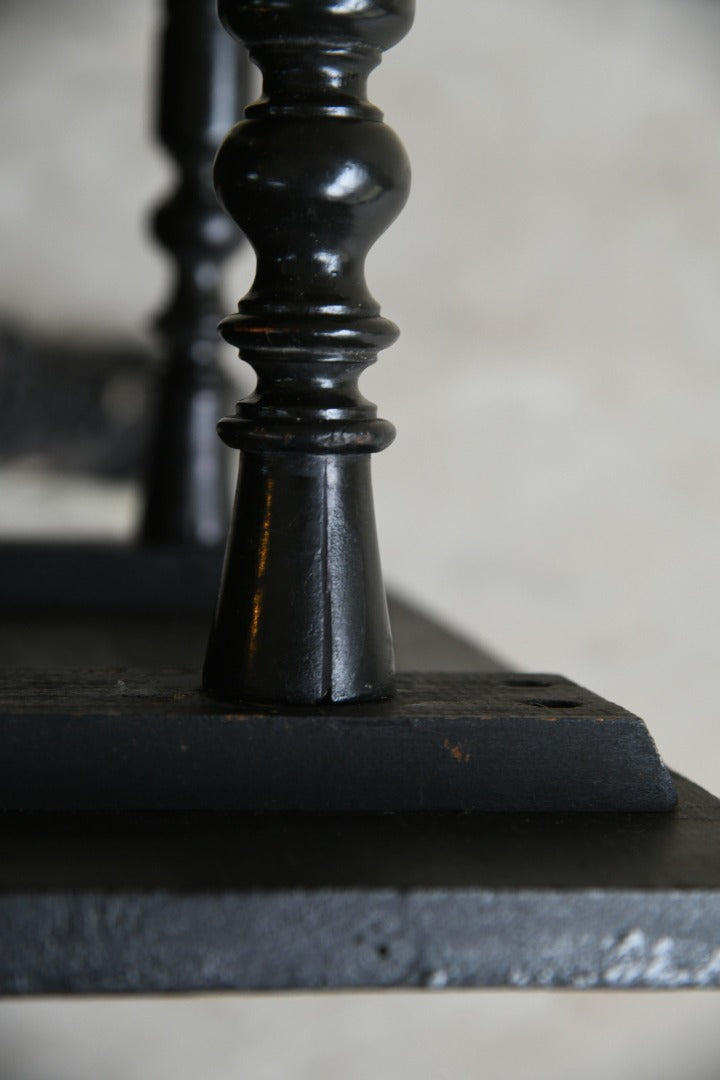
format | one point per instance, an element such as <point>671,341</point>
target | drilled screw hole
<point>383,952</point>
<point>557,704</point>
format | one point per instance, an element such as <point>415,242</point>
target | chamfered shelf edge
<point>103,739</point>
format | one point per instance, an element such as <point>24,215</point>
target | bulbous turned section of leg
<point>313,177</point>
<point>302,616</point>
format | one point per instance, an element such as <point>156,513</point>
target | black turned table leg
<point>174,571</point>
<point>106,887</point>
<point>203,86</point>
<point>313,177</point>
<point>299,661</point>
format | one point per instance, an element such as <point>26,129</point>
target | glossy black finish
<point>203,87</point>
<point>303,575</point>
<point>313,177</point>
<point>142,621</point>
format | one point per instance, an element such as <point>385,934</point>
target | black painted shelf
<point>150,739</point>
<point>159,902</point>
<point>145,902</point>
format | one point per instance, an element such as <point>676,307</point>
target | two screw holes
<point>547,703</point>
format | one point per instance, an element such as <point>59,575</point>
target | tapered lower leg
<point>302,616</point>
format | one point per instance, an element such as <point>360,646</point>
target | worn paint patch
<point>636,959</point>
<point>456,752</point>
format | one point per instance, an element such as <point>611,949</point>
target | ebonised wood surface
<point>150,739</point>
<point>158,902</point>
<point>202,88</point>
<point>73,621</point>
<point>313,176</point>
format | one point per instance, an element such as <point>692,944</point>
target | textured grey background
<point>555,276</point>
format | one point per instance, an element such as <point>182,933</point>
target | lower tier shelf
<point>159,902</point>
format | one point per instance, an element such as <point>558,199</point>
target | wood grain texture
<point>149,902</point>
<point>139,739</point>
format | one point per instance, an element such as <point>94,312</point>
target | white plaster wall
<point>555,277</point>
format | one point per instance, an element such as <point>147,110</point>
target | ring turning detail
<point>313,177</point>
